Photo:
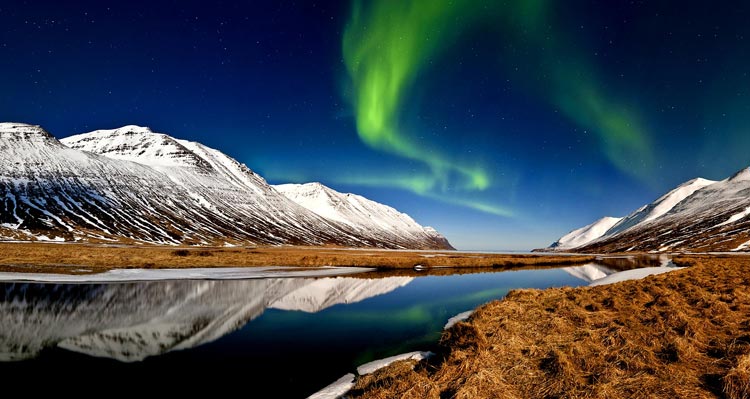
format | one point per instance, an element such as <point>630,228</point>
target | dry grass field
<point>70,258</point>
<point>684,334</point>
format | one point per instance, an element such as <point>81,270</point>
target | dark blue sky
<point>595,109</point>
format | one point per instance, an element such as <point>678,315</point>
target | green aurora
<point>388,44</point>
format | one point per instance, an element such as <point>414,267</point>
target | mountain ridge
<point>699,215</point>
<point>133,185</point>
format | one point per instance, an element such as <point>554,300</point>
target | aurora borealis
<point>502,123</point>
<point>385,46</point>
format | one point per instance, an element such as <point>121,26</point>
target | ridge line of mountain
<point>133,185</point>
<point>699,215</point>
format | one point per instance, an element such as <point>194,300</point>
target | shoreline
<point>73,258</point>
<point>681,334</point>
<point>213,273</point>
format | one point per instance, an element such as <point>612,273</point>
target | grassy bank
<point>41,257</point>
<point>683,334</point>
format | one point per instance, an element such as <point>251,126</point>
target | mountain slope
<point>134,185</point>
<point>366,217</point>
<point>661,206</point>
<point>699,215</point>
<point>585,234</point>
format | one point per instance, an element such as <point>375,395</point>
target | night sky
<point>502,124</point>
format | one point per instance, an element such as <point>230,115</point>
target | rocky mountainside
<point>132,185</point>
<point>585,234</point>
<point>366,217</point>
<point>699,215</point>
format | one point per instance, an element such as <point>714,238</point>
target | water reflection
<point>609,265</point>
<point>628,262</point>
<point>130,322</point>
<point>294,334</point>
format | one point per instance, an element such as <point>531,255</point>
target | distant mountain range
<point>699,215</point>
<point>132,185</point>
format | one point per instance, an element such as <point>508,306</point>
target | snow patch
<point>742,247</point>
<point>585,234</point>
<point>459,317</point>
<point>336,390</point>
<point>376,365</point>
<point>736,217</point>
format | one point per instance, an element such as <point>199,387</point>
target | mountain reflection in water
<point>130,322</point>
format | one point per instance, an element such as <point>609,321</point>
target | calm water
<point>295,335</point>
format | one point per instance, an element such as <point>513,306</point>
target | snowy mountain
<point>661,206</point>
<point>366,217</point>
<point>133,185</point>
<point>698,215</point>
<point>585,234</point>
<point>130,322</point>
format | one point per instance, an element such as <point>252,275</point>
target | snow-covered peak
<point>585,234</point>
<point>741,175</point>
<point>698,215</point>
<point>22,131</point>
<point>133,184</point>
<point>666,202</point>
<point>347,208</point>
<point>315,197</point>
<point>137,144</point>
<point>8,126</point>
<point>359,213</point>
<point>661,206</point>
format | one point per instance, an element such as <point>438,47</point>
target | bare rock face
<point>699,215</point>
<point>132,185</point>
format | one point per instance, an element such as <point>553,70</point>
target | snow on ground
<point>459,317</point>
<point>336,389</point>
<point>736,217</point>
<point>341,386</point>
<point>742,246</point>
<point>218,273</point>
<point>376,365</point>
<point>633,274</point>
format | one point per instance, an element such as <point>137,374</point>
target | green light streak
<point>425,185</point>
<point>568,80</point>
<point>385,45</point>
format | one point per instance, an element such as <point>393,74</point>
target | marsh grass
<point>60,257</point>
<point>684,334</point>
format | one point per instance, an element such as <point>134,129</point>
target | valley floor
<point>91,258</point>
<point>682,334</point>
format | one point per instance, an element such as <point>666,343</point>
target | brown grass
<point>737,380</point>
<point>685,334</point>
<point>39,257</point>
